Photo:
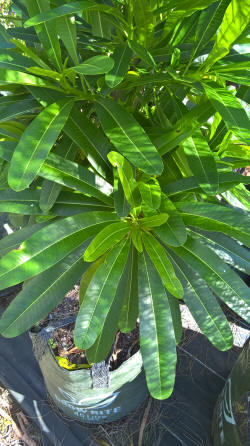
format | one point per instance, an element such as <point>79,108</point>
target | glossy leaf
<point>173,232</point>
<point>14,240</point>
<point>157,336</point>
<point>204,307</point>
<point>154,221</point>
<point>70,203</point>
<point>234,22</point>
<point>121,57</point>
<point>212,217</point>
<point>163,265</point>
<point>208,25</point>
<point>61,11</point>
<point>201,162</point>
<point>142,53</point>
<point>130,310</point>
<point>227,180</point>
<point>36,143</point>
<point>66,28</point>
<point>220,277</point>
<point>41,295</point>
<point>95,65</point>
<point>125,173</point>
<point>88,276</point>
<point>46,32</point>
<point>51,190</point>
<point>90,139</point>
<point>231,111</point>
<point>136,237</point>
<point>50,245</point>
<point>13,61</point>
<point>225,247</point>
<point>25,202</point>
<point>151,193</point>
<point>19,77</point>
<point>99,297</point>
<point>105,240</point>
<point>13,111</point>
<point>121,204</point>
<point>74,176</point>
<point>128,136</point>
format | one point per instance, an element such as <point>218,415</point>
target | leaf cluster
<point>122,127</point>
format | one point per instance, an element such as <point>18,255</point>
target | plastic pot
<point>73,393</point>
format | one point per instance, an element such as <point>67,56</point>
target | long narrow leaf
<point>128,136</point>
<point>36,143</point>
<point>157,336</point>
<point>99,297</point>
<point>41,295</point>
<point>50,245</point>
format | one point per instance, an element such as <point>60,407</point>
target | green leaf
<point>50,190</point>
<point>204,307</point>
<point>25,202</point>
<point>226,248</point>
<point>173,232</point>
<point>102,346</point>
<point>213,217</point>
<point>125,173</point>
<point>71,203</point>
<point>184,127</point>
<point>128,136</point>
<point>18,77</point>
<point>41,295</point>
<point>66,29</point>
<point>201,162</point>
<point>95,65</point>
<point>55,13</point>
<point>36,143</point>
<point>88,276</point>
<point>151,193</point>
<point>14,240</point>
<point>105,240</point>
<point>130,310</point>
<point>99,297</point>
<point>220,277</point>
<point>14,61</point>
<point>26,51</point>
<point>157,336</point>
<point>38,71</point>
<point>231,111</point>
<point>121,57</point>
<point>136,236</point>
<point>162,264</point>
<point>153,221</point>
<point>233,24</point>
<point>46,32</point>
<point>50,245</point>
<point>90,139</point>
<point>227,180</point>
<point>208,24</point>
<point>74,176</point>
<point>122,206</point>
<point>174,307</point>
<point>18,109</point>
<point>142,53</point>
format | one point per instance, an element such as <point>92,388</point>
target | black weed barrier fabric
<point>185,418</point>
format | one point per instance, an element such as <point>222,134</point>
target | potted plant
<point>119,141</point>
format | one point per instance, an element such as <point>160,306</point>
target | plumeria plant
<point>122,125</point>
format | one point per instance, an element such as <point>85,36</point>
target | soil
<point>62,342</point>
